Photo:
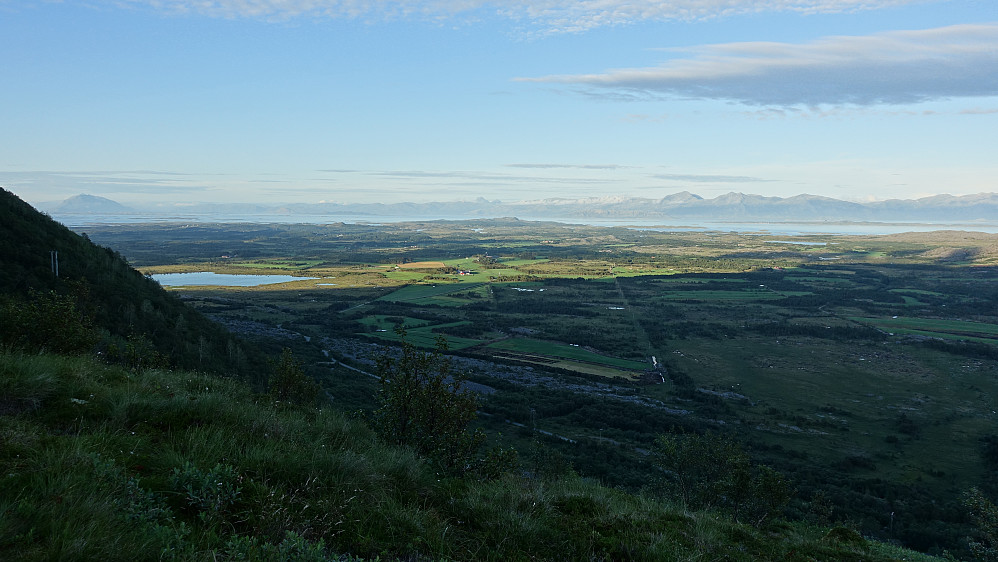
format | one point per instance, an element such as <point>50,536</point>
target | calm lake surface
<point>222,279</point>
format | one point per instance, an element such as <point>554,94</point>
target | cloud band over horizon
<point>895,67</point>
<point>553,15</point>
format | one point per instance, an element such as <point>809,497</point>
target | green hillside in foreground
<point>102,463</point>
<point>132,318</point>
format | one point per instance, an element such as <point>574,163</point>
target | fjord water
<point>788,228</point>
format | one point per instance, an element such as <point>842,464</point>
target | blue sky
<point>282,101</point>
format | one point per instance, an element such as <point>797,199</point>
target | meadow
<point>864,368</point>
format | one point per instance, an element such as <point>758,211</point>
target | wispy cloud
<point>979,111</point>
<point>855,112</point>
<point>697,178</point>
<point>897,67</point>
<point>285,190</point>
<point>548,15</point>
<point>574,16</point>
<point>644,117</point>
<point>573,166</point>
<point>105,182</point>
<point>482,178</point>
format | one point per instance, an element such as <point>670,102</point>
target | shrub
<point>211,493</point>
<point>424,406</point>
<point>289,381</point>
<point>984,513</point>
<point>710,470</point>
<point>47,321</point>
<point>293,548</point>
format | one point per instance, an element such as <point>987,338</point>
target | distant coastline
<point>734,212</point>
<point>80,221</point>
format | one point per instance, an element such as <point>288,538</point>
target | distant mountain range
<point>982,207</point>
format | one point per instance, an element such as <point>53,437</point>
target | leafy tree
<point>700,467</point>
<point>984,513</point>
<point>769,493</point>
<point>487,261</point>
<point>136,353</point>
<point>712,471</point>
<point>289,381</point>
<point>424,406</point>
<point>547,463</point>
<point>49,320</point>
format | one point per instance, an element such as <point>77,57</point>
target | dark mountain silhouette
<point>128,308</point>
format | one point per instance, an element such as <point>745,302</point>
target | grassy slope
<point>87,454</point>
<point>123,301</point>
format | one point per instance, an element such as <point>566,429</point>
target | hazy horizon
<point>143,204</point>
<point>302,101</point>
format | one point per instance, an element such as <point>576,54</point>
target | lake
<point>222,279</point>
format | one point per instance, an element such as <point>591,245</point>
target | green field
<point>291,265</point>
<point>634,271</point>
<point>387,323</point>
<point>515,263</point>
<point>819,279</point>
<point>565,351</point>
<point>406,275</point>
<point>918,292</point>
<point>423,335</point>
<point>699,281</point>
<point>933,326</point>
<point>747,294</point>
<point>429,294</point>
